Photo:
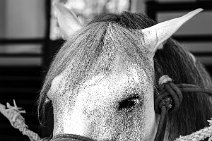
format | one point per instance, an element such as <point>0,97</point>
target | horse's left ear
<point>67,20</point>
<point>155,35</point>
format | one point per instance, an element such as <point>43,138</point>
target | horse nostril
<point>70,137</point>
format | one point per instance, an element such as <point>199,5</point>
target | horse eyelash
<point>122,103</point>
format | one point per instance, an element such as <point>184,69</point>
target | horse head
<point>102,81</point>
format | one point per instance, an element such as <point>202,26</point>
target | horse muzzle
<point>70,137</point>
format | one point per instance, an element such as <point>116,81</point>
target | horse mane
<point>195,108</point>
<point>172,60</point>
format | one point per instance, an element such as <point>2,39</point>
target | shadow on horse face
<point>101,82</point>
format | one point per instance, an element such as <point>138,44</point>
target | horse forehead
<point>104,91</point>
<point>116,80</point>
<point>114,84</point>
<point>121,76</point>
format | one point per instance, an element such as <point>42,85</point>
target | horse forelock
<point>95,49</point>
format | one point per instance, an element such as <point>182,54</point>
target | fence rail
<point>193,38</point>
<point>22,41</point>
<point>152,7</point>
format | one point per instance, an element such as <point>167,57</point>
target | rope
<point>198,135</point>
<point>169,99</point>
<point>13,114</point>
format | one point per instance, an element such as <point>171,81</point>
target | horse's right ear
<point>67,21</point>
<point>156,35</point>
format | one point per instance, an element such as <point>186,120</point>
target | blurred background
<point>29,39</point>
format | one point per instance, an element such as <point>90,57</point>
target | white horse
<point>102,82</point>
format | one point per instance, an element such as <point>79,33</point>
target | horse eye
<point>129,102</point>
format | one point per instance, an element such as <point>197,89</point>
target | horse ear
<point>154,36</point>
<point>67,21</point>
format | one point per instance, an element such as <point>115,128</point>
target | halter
<point>71,137</point>
<point>167,100</point>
